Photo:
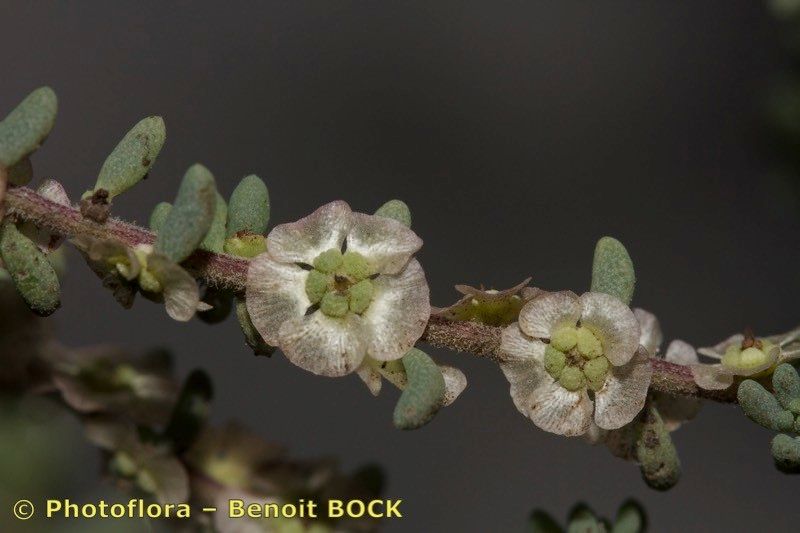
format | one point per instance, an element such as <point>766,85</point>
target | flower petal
<point>681,353</point>
<point>624,393</point>
<point>385,242</point>
<point>454,383</point>
<point>515,346</point>
<point>540,316</point>
<point>181,295</point>
<point>614,322</point>
<point>323,345</point>
<point>304,240</point>
<point>275,293</point>
<point>398,313</point>
<point>711,377</point>
<point>718,350</point>
<point>370,377</point>
<point>650,335</point>
<point>676,410</point>
<point>553,408</point>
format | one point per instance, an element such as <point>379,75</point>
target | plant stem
<point>229,272</point>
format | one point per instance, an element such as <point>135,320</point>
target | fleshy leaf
<point>191,215</point>
<point>33,275</point>
<point>26,128</point>
<point>159,215</point>
<point>583,520</point>
<point>762,407</point>
<point>215,238</point>
<point>397,210</point>
<point>191,410</point>
<point>424,394</point>
<point>786,383</point>
<point>658,458</point>
<point>131,159</point>
<point>249,207</point>
<point>612,270</point>
<point>786,452</point>
<point>631,518</point>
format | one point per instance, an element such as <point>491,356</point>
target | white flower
<point>744,355</point>
<point>565,347</point>
<point>338,286</point>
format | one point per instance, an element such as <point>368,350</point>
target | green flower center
<point>748,355</point>
<point>340,283</point>
<point>575,358</point>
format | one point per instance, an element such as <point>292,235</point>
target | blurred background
<point>519,133</point>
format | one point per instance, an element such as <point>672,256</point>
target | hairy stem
<point>226,271</point>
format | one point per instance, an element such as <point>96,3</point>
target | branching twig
<point>230,272</point>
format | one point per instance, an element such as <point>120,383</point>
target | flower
<point>744,355</point>
<point>150,467</point>
<point>338,286</point>
<point>565,347</point>
<point>493,307</point>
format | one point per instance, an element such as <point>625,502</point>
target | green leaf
<point>424,394</point>
<point>612,270</point>
<point>397,210</point>
<point>786,452</point>
<point>786,383</point>
<point>658,458</point>
<point>541,522</point>
<point>631,518</point>
<point>27,126</point>
<point>33,275</point>
<point>214,241</point>
<point>762,407</point>
<point>132,158</point>
<point>159,215</point>
<point>248,209</point>
<point>191,410</point>
<point>191,215</point>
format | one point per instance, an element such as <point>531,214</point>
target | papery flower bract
<point>104,379</point>
<point>373,372</point>
<point>488,306</point>
<point>150,467</point>
<point>338,286</point>
<point>744,355</point>
<point>564,345</point>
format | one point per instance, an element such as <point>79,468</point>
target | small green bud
<point>589,345</point>
<point>131,159</point>
<point>328,261</point>
<point>762,407</point>
<point>612,270</point>
<point>786,452</point>
<point>356,266</point>
<point>361,296</point>
<point>541,522</point>
<point>247,245</point>
<point>786,383</point>
<point>27,126</point>
<point>251,335</point>
<point>148,282</point>
<point>249,207</point>
<point>738,359</point>
<point>572,378</point>
<point>564,339</point>
<point>596,371</point>
<point>334,305</point>
<point>631,518</point>
<point>424,394</point>
<point>33,275</point>
<point>658,458</point>
<point>159,215</point>
<point>554,361</point>
<point>317,285</point>
<point>191,410</point>
<point>191,215</point>
<point>214,241</point>
<point>397,210</point>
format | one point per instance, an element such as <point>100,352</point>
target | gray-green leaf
<point>424,395</point>
<point>762,407</point>
<point>786,452</point>
<point>658,458</point>
<point>612,270</point>
<point>214,240</point>
<point>248,209</point>
<point>159,215</point>
<point>27,126</point>
<point>32,274</point>
<point>397,210</point>
<point>191,215</point>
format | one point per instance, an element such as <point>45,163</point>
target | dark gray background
<point>519,133</point>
